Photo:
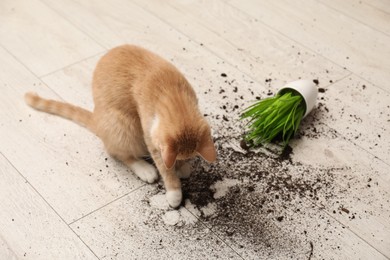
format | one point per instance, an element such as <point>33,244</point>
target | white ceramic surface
<point>308,91</point>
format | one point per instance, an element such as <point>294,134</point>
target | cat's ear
<point>207,150</point>
<point>169,156</point>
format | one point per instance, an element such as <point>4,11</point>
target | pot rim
<point>307,89</point>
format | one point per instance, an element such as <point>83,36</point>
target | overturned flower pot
<point>279,117</point>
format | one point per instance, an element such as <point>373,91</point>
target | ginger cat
<point>143,107</point>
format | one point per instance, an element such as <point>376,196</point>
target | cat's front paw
<point>174,198</point>
<point>145,171</point>
<point>184,171</point>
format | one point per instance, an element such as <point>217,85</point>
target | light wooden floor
<point>60,198</point>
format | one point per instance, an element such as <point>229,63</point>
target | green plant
<point>274,117</point>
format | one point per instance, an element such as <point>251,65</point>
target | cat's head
<point>181,141</point>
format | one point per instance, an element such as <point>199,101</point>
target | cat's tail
<point>77,114</point>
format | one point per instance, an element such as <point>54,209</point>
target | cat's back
<point>125,64</point>
<point>130,69</point>
<point>128,77</point>
<point>122,68</point>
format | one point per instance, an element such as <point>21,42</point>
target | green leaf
<point>274,116</point>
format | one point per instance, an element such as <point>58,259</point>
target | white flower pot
<point>307,89</point>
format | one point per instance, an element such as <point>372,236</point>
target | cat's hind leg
<point>145,171</point>
<point>123,138</point>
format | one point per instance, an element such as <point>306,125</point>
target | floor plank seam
<point>50,206</point>
<point>75,26</point>
<point>329,200</point>
<point>215,234</point>
<point>105,205</point>
<point>97,257</point>
<point>357,145</point>
<point>352,18</point>
<point>35,75</point>
<point>308,48</point>
<point>19,61</point>
<point>321,208</point>
<point>268,26</point>
<point>28,69</point>
<point>343,136</point>
<point>215,54</point>
<point>72,64</point>
<point>368,3</point>
<point>248,56</point>
<point>256,81</point>
<point>356,234</point>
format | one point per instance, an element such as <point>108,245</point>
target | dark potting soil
<point>244,145</point>
<point>268,189</point>
<point>195,189</point>
<point>286,153</point>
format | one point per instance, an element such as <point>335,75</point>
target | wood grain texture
<point>29,228</point>
<point>86,15</point>
<point>74,83</point>
<point>251,47</point>
<point>377,19</point>
<point>360,184</point>
<point>278,61</point>
<point>381,5</point>
<point>341,39</point>
<point>63,161</point>
<point>174,43</point>
<point>5,250</point>
<point>310,226</point>
<point>40,38</point>
<point>248,42</point>
<point>328,145</point>
<point>129,229</point>
<point>353,104</point>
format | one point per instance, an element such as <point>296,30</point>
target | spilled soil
<point>267,189</point>
<point>249,195</point>
<point>250,192</point>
